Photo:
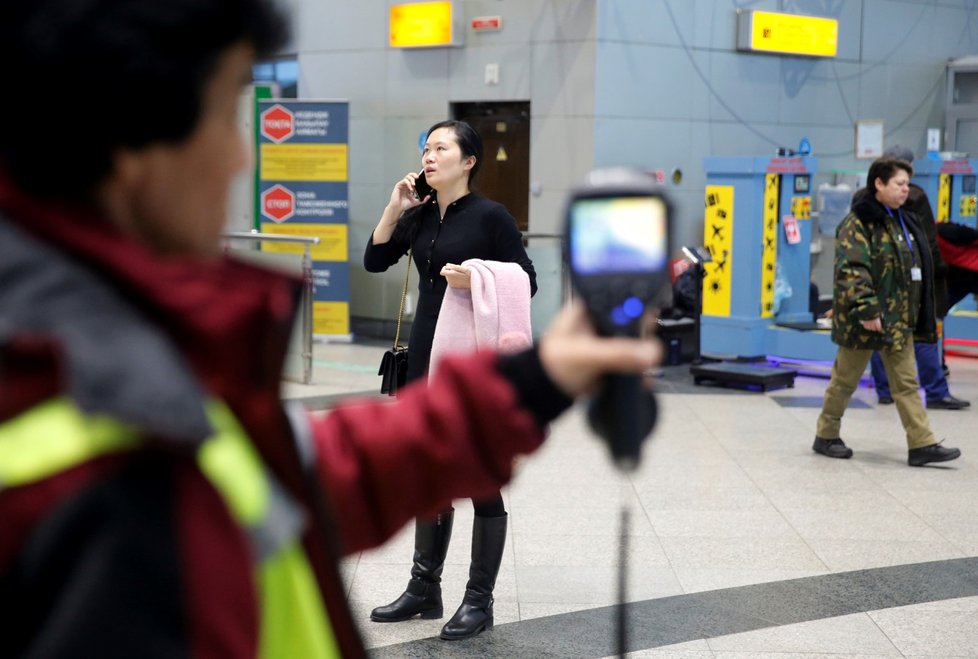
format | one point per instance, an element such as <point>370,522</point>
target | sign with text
<point>791,231</point>
<point>789,34</point>
<point>423,25</point>
<point>303,190</point>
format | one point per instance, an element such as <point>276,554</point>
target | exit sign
<point>487,23</point>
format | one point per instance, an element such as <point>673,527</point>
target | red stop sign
<point>278,203</point>
<point>277,123</point>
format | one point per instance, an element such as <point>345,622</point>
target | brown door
<point>505,173</point>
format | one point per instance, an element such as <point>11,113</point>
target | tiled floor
<point>742,543</point>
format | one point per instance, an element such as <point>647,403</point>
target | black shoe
<point>834,448</point>
<point>423,594</point>
<point>420,598</point>
<point>948,403</point>
<point>917,457</point>
<point>886,400</point>
<point>475,614</point>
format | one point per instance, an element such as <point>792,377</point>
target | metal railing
<point>300,345</point>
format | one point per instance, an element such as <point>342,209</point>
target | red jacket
<point>134,552</point>
<point>959,255</point>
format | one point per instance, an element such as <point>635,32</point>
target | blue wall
<point>671,88</point>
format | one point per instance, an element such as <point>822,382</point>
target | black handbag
<point>394,364</point>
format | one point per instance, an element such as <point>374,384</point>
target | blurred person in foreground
<point>156,498</point>
<point>884,298</point>
<point>927,355</point>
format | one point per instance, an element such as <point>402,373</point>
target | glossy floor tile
<point>742,542</point>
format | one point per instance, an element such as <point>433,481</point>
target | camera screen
<point>618,234</point>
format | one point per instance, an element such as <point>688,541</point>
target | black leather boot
<point>475,613</point>
<point>423,594</point>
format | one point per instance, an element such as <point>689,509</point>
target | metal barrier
<point>300,345</point>
<point>546,250</point>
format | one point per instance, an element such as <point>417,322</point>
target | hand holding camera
<point>617,249</point>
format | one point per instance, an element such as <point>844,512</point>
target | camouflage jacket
<point>872,279</point>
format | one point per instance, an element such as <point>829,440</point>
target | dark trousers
<point>929,372</point>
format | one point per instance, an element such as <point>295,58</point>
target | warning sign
<point>303,190</point>
<point>277,123</point>
<point>769,238</point>
<point>944,198</point>
<point>718,238</point>
<point>277,203</point>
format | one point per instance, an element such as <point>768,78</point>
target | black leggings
<point>491,507</point>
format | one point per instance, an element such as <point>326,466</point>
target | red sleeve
<point>961,256</point>
<point>384,463</point>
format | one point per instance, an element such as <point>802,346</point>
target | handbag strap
<point>400,312</point>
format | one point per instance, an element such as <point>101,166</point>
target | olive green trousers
<point>901,369</point>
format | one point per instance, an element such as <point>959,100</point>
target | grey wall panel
<point>645,81</point>
<point>903,95</point>
<point>647,22</point>
<point>850,17</point>
<point>468,68</point>
<point>563,151</point>
<point>339,25</point>
<point>548,208</point>
<point>359,76</point>
<point>648,144</point>
<point>563,78</point>
<point>417,81</point>
<point>537,21</point>
<point>558,20</point>
<point>902,32</point>
<point>817,94</point>
<point>743,86</point>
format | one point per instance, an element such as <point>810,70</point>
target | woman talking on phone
<point>442,228</point>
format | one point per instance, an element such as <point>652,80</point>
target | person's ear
<point>468,163</point>
<point>128,167</point>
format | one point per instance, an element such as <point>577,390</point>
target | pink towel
<point>493,315</point>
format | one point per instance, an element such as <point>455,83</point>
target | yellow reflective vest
<point>56,435</point>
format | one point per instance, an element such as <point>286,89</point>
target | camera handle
<point>623,414</point>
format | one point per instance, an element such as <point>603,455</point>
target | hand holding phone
<point>421,187</point>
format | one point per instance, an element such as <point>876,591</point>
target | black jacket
<point>473,228</point>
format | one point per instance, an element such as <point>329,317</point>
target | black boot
<point>475,613</point>
<point>423,594</point>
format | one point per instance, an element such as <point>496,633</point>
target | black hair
<point>468,139</point>
<point>92,76</point>
<point>884,169</point>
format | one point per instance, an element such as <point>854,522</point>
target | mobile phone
<point>421,186</point>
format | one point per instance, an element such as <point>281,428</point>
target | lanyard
<point>906,235</point>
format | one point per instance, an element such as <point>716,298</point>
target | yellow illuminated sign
<point>791,34</point>
<point>421,24</point>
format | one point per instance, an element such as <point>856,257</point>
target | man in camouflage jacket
<point>871,275</point>
<point>884,297</point>
<point>930,371</point>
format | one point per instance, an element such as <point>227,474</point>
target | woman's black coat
<point>473,228</point>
